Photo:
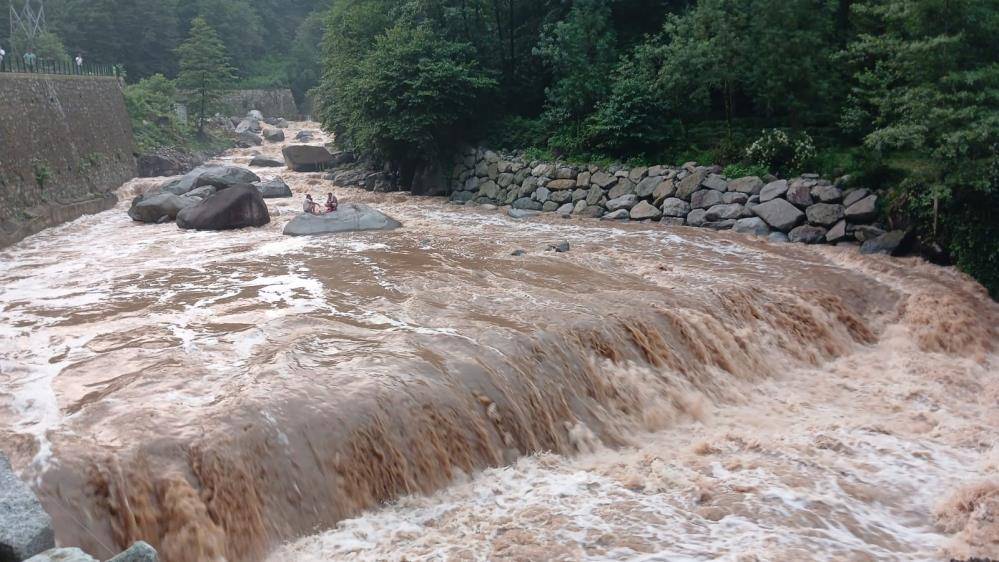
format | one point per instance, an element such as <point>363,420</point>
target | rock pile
<point>194,193</point>
<point>806,209</point>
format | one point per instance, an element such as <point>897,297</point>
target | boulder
<point>138,552</point>
<point>152,208</point>
<point>528,204</point>
<point>690,184</point>
<point>307,158</point>
<point>779,214</point>
<point>735,197</point>
<point>304,136</point>
<point>25,528</point>
<point>247,139</point>
<point>590,211</point>
<point>664,190</point>
<point>583,179</point>
<point>645,210</point>
<point>623,202</point>
<point>755,226</point>
<point>273,189</point>
<point>827,193</point>
<point>522,213</point>
<point>542,194</point>
<point>863,233</point>
<point>594,195</point>
<point>350,217</point>
<point>837,232</point>
<point>720,224</point>
<point>697,217</point>
<point>674,207</point>
<point>778,237</point>
<point>647,187</point>
<point>673,221</point>
<point>61,555</point>
<point>255,114</point>
<point>602,179</point>
<point>855,195</point>
<point>773,190</point>
<point>223,176</point>
<point>273,134</point>
<point>560,184</point>
<point>864,210</point>
<point>564,210</point>
<point>724,212</point>
<point>543,171</point>
<point>825,214</point>
<point>705,198</point>
<point>620,214</point>
<point>636,175</point>
<point>808,234</point>
<point>489,189</point>
<point>345,157</point>
<point>750,185</point>
<point>800,193</point>
<point>248,125</point>
<point>566,173</point>
<point>237,207</point>
<point>715,182</point>
<point>624,187</point>
<point>266,162</point>
<point>894,243</point>
<point>462,196</point>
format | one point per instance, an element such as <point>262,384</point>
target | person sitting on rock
<point>331,203</point>
<point>310,206</point>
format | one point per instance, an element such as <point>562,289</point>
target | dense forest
<point>899,95</point>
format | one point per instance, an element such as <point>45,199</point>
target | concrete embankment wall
<point>66,145</point>
<point>272,103</point>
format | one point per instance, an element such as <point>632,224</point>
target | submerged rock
<point>352,217</point>
<point>138,552</point>
<point>266,162</point>
<point>229,209</point>
<point>25,528</point>
<point>62,555</point>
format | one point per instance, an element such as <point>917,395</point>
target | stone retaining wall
<point>805,209</point>
<point>272,103</point>
<point>65,146</point>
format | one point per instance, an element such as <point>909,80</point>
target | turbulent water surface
<point>422,394</point>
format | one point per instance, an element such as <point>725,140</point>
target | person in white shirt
<point>79,62</point>
<point>3,53</point>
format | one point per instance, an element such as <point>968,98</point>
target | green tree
<point>581,51</point>
<point>411,98</point>
<point>204,70</point>
<point>46,45</point>
<point>926,97</point>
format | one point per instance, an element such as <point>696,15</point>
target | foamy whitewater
<point>653,394</point>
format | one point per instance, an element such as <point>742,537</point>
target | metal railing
<point>70,68</point>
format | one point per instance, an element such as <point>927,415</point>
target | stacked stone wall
<point>66,145</point>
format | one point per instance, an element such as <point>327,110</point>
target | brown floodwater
<point>653,394</point>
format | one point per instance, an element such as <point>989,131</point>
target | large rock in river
<point>159,207</point>
<point>25,528</point>
<point>351,217</point>
<point>216,175</point>
<point>229,209</point>
<point>307,158</point>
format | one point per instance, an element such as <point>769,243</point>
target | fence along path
<point>15,64</point>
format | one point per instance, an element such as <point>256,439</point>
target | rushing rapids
<point>654,393</point>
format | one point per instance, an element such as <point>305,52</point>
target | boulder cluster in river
<point>806,209</point>
<point>212,197</point>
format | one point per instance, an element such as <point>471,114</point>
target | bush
<point>517,133</point>
<point>782,152</point>
<point>735,171</point>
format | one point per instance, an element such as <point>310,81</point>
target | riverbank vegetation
<point>900,95</point>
